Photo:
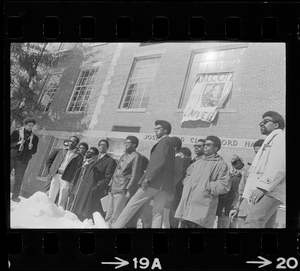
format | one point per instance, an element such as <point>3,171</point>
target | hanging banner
<point>207,97</point>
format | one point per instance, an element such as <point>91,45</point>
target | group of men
<point>194,191</point>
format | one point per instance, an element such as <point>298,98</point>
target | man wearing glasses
<point>50,161</point>
<point>158,180</point>
<point>124,181</point>
<point>265,187</point>
<point>205,180</point>
<point>198,149</point>
<point>63,169</point>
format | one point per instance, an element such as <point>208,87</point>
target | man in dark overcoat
<point>23,144</point>
<point>94,183</point>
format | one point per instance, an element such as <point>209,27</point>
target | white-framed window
<point>50,89</point>
<point>209,65</point>
<point>57,143</point>
<point>82,90</point>
<point>142,76</point>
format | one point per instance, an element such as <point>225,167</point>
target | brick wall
<point>259,85</point>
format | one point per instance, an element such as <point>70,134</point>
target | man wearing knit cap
<point>226,201</point>
<point>23,144</point>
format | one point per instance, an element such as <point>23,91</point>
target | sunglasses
<point>198,146</point>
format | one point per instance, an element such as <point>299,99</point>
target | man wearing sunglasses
<point>198,149</point>
<point>240,209</point>
<point>205,180</point>
<point>62,170</point>
<point>50,161</point>
<point>265,187</point>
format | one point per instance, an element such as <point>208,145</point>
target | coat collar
<point>102,158</point>
<point>214,157</point>
<point>153,148</point>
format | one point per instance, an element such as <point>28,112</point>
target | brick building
<point>119,89</point>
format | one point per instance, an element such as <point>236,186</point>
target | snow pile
<point>39,211</point>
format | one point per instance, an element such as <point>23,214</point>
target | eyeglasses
<point>157,128</point>
<point>198,146</point>
<point>208,144</point>
<point>128,142</point>
<point>265,121</point>
<point>66,145</point>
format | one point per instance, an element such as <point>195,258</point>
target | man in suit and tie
<point>124,181</point>
<point>158,180</point>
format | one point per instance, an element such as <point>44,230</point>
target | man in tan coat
<point>207,178</point>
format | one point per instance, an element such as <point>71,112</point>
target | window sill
<point>136,110</point>
<point>225,111</point>
<point>75,113</point>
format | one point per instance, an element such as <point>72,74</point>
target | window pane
<point>83,89</point>
<point>202,68</point>
<point>136,99</point>
<point>144,72</point>
<point>208,63</point>
<point>212,66</point>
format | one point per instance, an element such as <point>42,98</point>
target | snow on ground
<point>39,211</point>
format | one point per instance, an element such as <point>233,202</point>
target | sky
<point>39,212</point>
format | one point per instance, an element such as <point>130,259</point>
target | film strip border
<point>155,249</point>
<point>147,249</point>
<point>156,21</point>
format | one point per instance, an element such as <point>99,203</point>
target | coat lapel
<point>153,148</point>
<point>98,161</point>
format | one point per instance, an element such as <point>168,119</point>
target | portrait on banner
<point>212,94</point>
